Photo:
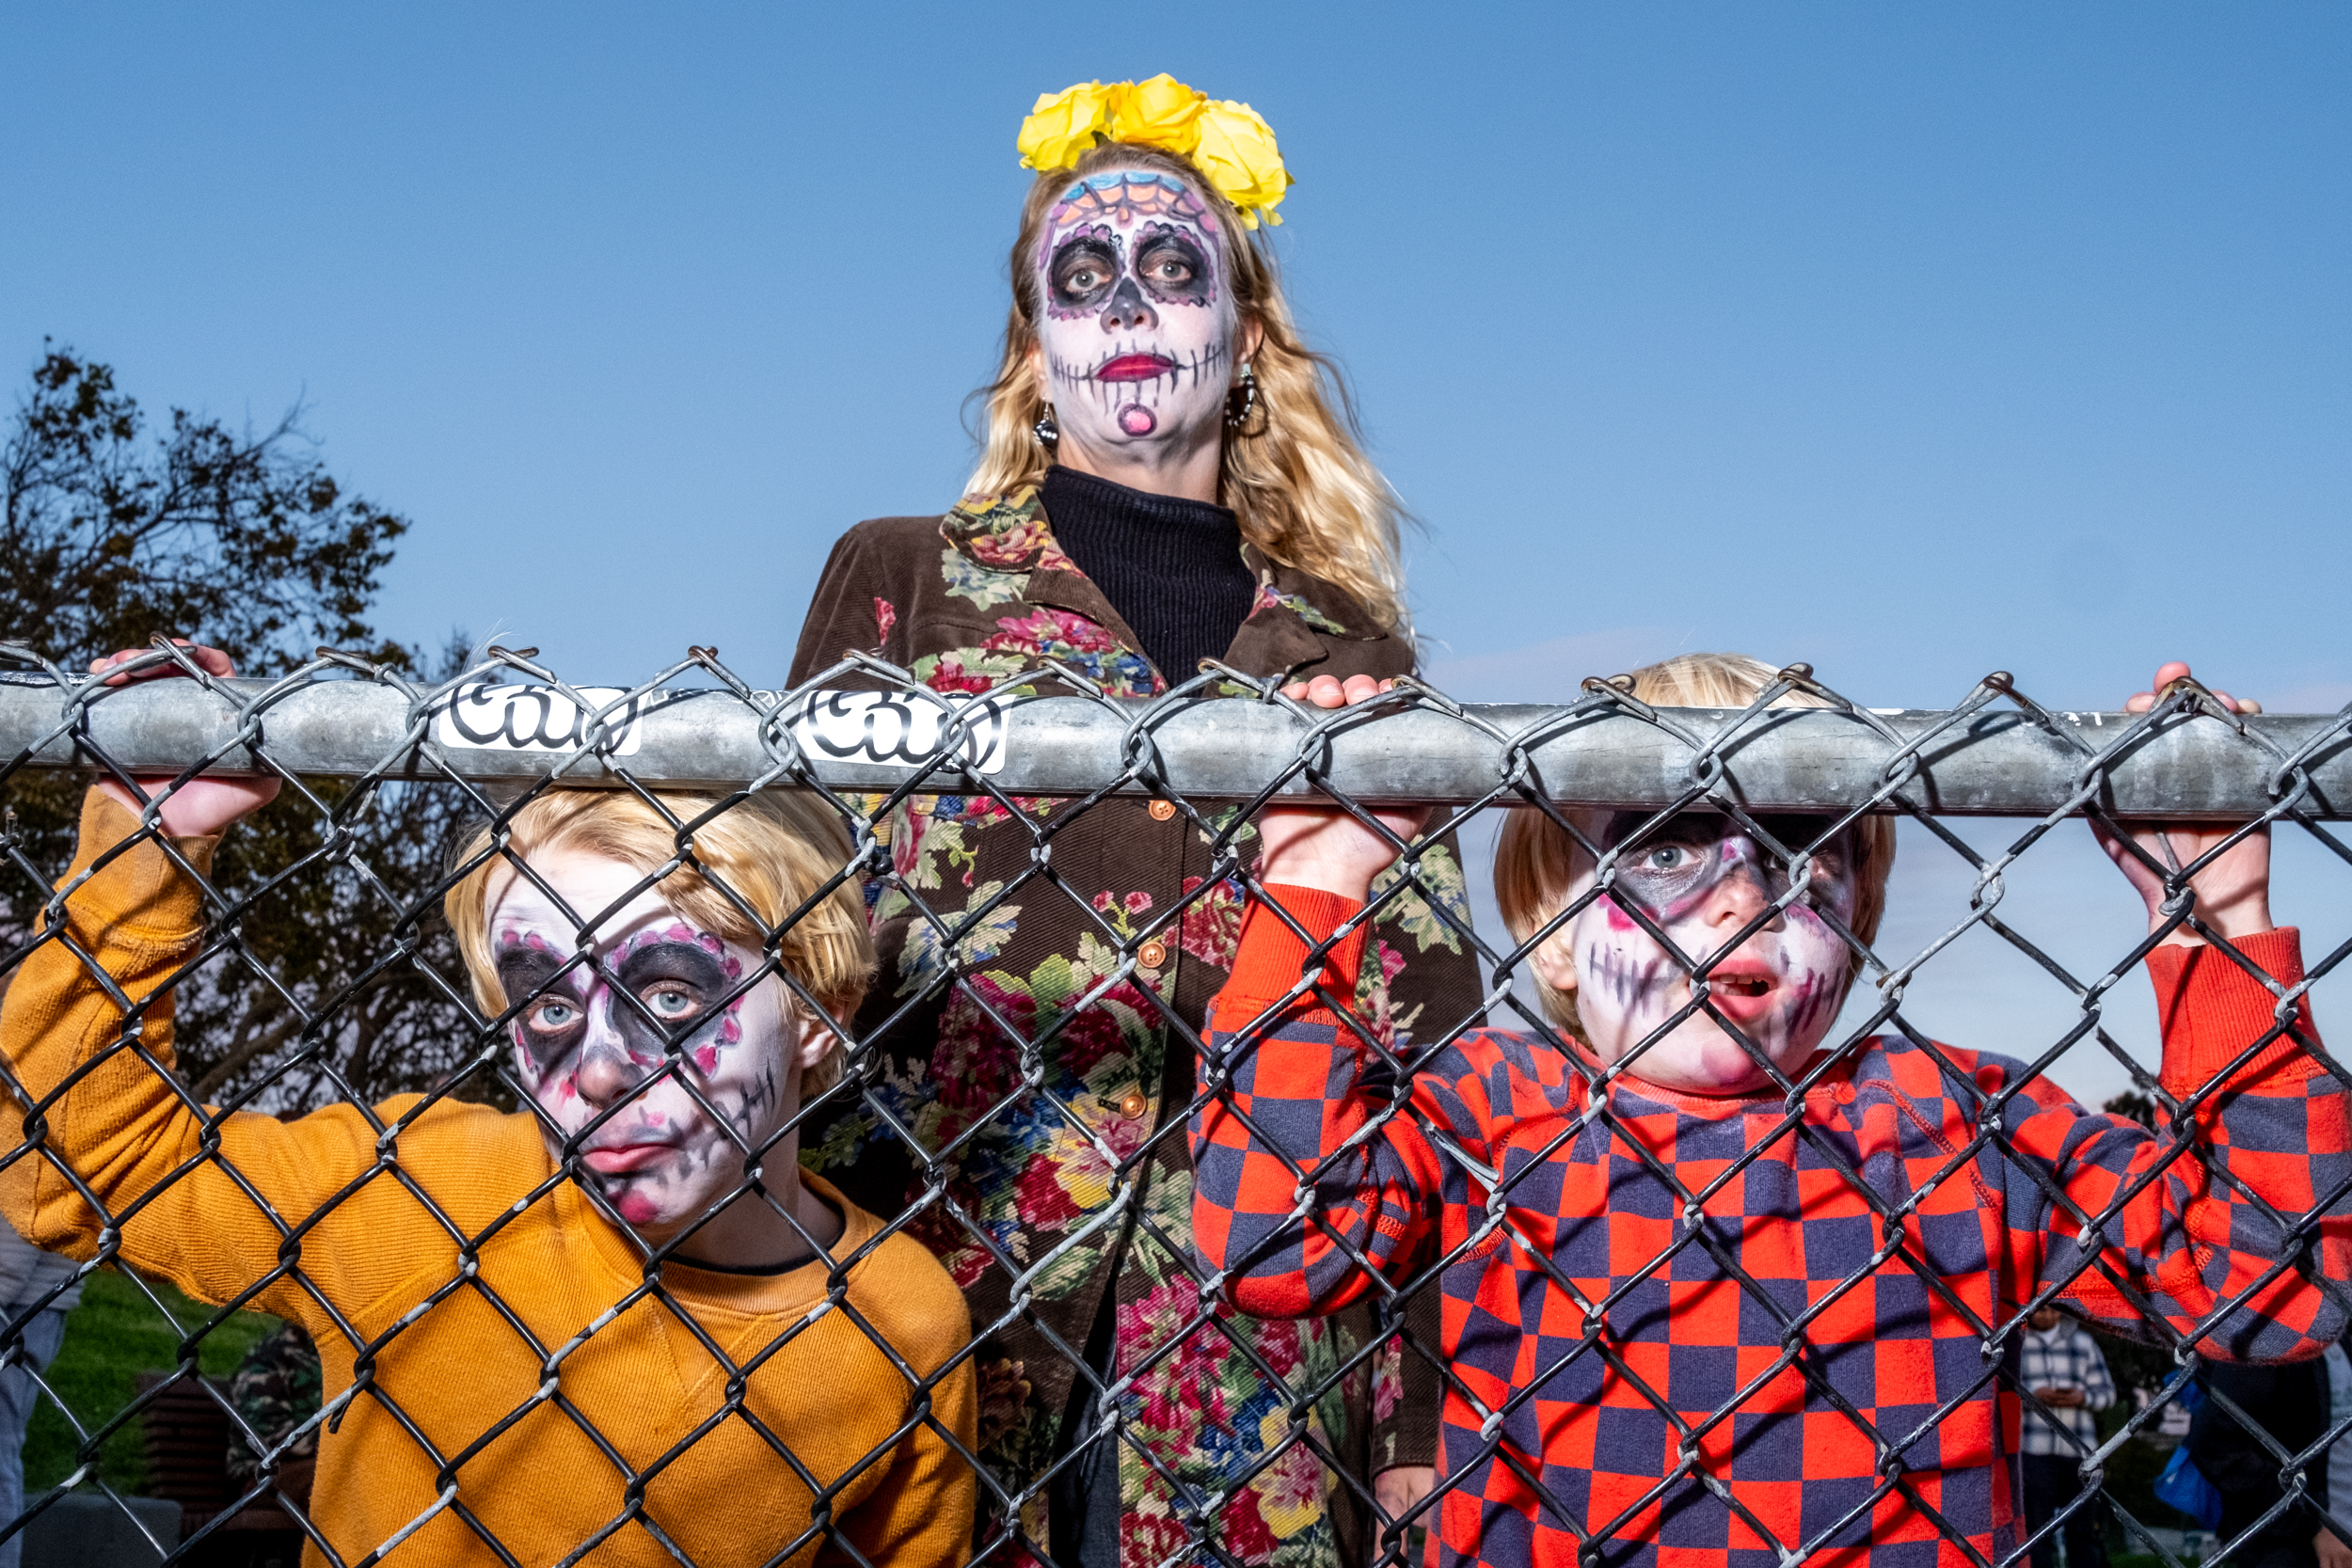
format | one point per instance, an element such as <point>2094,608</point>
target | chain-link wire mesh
<point>276,1089</point>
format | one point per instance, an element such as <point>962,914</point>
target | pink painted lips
<point>1136,367</point>
<point>622,1158</point>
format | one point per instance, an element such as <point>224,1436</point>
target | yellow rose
<point>1162,113</point>
<point>1064,124</point>
<point>1235,151</point>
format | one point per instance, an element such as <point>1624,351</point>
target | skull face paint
<point>582,1048</point>
<point>1702,879</point>
<point>1135,326</point>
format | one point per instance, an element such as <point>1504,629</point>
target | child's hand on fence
<point>201,807</point>
<point>1323,846</point>
<point>2233,893</point>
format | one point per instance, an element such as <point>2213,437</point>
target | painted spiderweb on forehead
<point>1130,197</point>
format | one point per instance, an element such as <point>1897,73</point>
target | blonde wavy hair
<point>1295,474</point>
<point>1537,862</point>
<point>772,850</point>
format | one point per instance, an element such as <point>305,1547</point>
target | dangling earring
<point>1048,434</point>
<point>1242,399</point>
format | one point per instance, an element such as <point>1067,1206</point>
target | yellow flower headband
<point>1228,143</point>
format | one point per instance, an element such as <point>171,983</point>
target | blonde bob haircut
<point>1537,862</point>
<point>774,852</point>
<point>1295,474</point>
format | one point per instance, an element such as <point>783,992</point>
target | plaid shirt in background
<point>2064,1357</point>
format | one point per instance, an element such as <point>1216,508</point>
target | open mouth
<point>1136,367</point>
<point>1742,998</point>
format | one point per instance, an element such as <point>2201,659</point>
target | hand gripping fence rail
<point>353,1174</point>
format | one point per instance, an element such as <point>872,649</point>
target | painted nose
<point>606,1074</point>
<point>606,1071</point>
<point>1745,891</point>
<point>1127,311</point>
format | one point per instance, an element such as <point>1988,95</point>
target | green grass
<point>110,1338</point>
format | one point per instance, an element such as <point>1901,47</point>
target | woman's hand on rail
<point>1324,847</point>
<point>1399,1487</point>
<point>2233,893</point>
<point>202,806</point>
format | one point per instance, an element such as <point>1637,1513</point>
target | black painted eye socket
<point>677,982</point>
<point>552,1016</point>
<point>1692,832</point>
<point>1173,268</point>
<point>1083,273</point>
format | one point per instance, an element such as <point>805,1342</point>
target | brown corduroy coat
<point>1043,905</point>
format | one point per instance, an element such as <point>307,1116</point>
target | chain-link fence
<point>471,1060</point>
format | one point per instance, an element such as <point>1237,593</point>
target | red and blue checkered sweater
<point>1681,1361</point>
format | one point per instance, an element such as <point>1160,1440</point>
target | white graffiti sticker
<point>900,731</point>
<point>486,717</point>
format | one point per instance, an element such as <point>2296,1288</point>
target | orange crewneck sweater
<point>475,1391</point>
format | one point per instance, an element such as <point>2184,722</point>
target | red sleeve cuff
<point>2210,1010</point>
<point>1271,955</point>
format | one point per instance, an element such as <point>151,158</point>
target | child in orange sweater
<point>624,1323</point>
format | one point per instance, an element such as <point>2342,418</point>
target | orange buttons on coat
<point>1152,954</point>
<point>1132,1104</point>
<point>1161,810</point>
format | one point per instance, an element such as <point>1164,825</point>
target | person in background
<point>2059,1364</point>
<point>2291,1403</point>
<point>39,1289</point>
<point>2335,1496</point>
<point>275,1389</point>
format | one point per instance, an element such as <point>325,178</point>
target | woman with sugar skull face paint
<point>1138,346</point>
<point>1138,507</point>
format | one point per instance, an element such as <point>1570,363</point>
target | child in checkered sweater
<point>1693,1317</point>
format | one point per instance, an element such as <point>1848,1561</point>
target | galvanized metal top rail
<point>1983,758</point>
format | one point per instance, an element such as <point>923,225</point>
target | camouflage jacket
<point>275,1389</point>
<point>1062,1190</point>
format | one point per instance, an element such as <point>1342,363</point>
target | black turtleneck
<point>1172,568</point>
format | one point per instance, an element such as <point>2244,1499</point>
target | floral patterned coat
<point>1037,1233</point>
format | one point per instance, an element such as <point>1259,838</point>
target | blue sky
<point>1912,340</point>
